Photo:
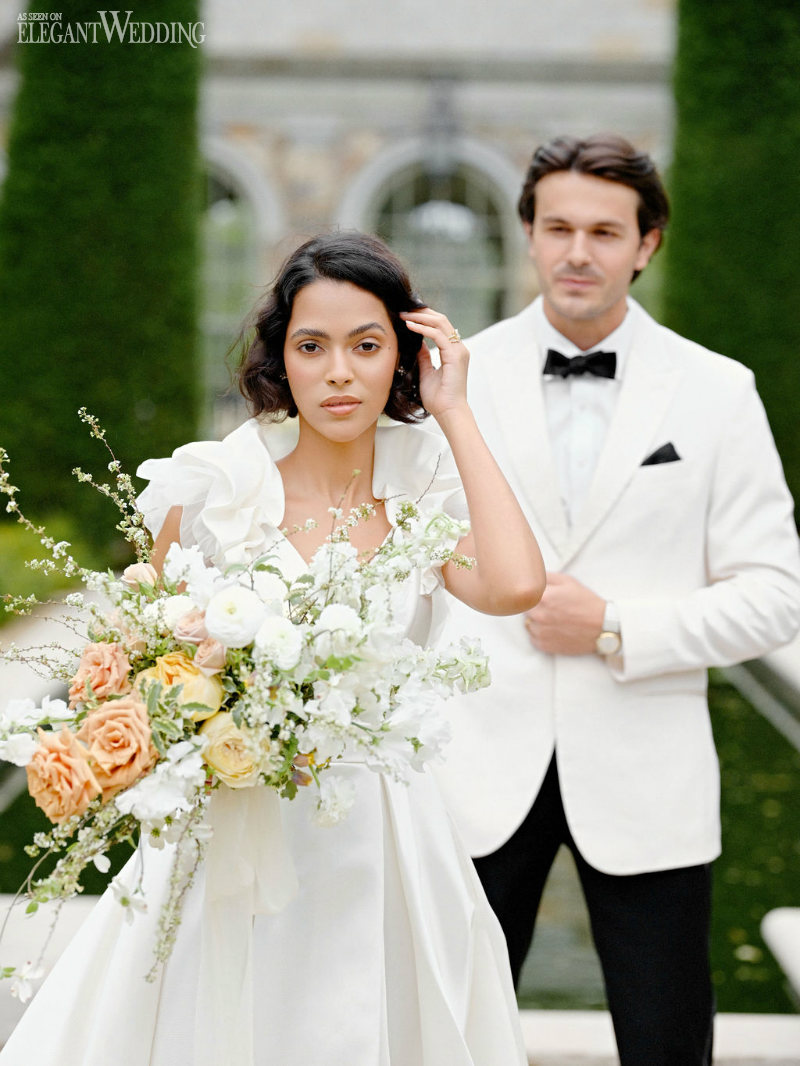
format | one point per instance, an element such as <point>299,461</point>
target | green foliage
<point>18,545</point>
<point>759,868</point>
<point>98,258</point>
<point>21,819</point>
<point>732,257</point>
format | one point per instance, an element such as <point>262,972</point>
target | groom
<point>648,472</point>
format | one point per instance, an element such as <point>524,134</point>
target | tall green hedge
<point>733,249</point>
<point>98,255</point>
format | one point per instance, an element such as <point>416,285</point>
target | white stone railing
<point>781,931</point>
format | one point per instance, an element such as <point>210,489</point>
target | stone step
<point>552,1037</point>
<point>586,1038</point>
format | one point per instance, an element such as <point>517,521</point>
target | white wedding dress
<point>388,954</point>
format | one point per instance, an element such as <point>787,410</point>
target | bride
<point>388,954</point>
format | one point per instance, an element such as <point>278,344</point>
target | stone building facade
<point>415,121</point>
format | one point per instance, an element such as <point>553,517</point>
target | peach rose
<point>210,656</point>
<point>60,779</point>
<point>176,668</point>
<point>139,574</point>
<point>191,627</point>
<point>106,668</point>
<point>227,752</point>
<point>117,734</point>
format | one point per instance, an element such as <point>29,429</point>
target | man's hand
<point>568,619</point>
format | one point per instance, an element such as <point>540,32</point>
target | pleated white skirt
<point>389,955</point>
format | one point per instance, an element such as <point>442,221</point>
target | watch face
<point>608,643</point>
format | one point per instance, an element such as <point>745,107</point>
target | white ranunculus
<point>173,608</point>
<point>336,796</point>
<point>279,641</point>
<point>19,748</point>
<point>234,616</point>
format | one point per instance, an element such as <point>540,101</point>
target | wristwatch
<point>610,640</point>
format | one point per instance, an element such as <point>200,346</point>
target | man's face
<point>586,245</point>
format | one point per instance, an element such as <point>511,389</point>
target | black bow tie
<point>601,364</point>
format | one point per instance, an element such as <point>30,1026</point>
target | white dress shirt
<point>579,409</point>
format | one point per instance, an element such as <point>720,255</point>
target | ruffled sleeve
<point>230,491</point>
<point>232,497</point>
<point>413,463</point>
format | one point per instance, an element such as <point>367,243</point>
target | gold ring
<point>455,336</point>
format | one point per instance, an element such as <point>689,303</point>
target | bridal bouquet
<point>199,678</point>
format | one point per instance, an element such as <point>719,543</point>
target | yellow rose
<point>178,669</point>
<point>227,752</point>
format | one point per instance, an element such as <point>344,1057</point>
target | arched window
<point>449,230</point>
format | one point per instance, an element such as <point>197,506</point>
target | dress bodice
<point>232,498</point>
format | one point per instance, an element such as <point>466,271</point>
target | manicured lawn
<point>760,864</point>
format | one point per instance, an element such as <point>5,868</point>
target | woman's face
<point>340,355</point>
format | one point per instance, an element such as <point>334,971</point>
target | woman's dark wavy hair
<point>353,257</point>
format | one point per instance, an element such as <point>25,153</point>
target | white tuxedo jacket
<point>701,557</point>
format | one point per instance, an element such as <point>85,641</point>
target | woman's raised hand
<point>509,575</point>
<point>442,389</point>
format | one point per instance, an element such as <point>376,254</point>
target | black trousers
<point>651,932</point>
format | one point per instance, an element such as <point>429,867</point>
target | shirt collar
<point>619,341</point>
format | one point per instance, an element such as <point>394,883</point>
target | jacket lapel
<point>651,377</point>
<point>518,403</point>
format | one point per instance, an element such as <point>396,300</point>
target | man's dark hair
<point>353,257</point>
<point>604,155</point>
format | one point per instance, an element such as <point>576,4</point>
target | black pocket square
<point>665,454</point>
